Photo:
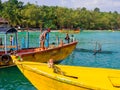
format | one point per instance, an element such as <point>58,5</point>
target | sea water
<point>84,55</point>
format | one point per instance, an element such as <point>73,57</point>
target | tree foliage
<point>56,17</point>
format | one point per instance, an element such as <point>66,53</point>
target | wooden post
<point>5,43</point>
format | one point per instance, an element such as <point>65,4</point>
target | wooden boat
<point>57,53</point>
<point>75,77</point>
<point>5,29</point>
<point>70,31</point>
<point>31,54</point>
<point>39,55</point>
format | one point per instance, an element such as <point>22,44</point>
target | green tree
<point>11,12</point>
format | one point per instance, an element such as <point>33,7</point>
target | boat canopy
<point>6,30</point>
<point>9,30</point>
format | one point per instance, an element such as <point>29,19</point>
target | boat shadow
<point>93,51</point>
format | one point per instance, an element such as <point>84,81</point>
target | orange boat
<point>57,53</point>
<point>70,31</point>
<point>29,54</point>
<point>37,55</point>
<point>34,54</point>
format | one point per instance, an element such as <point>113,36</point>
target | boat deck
<point>87,77</point>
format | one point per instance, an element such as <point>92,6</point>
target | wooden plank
<point>1,46</point>
<point>8,46</point>
<point>11,46</point>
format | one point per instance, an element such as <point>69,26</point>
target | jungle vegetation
<point>56,17</point>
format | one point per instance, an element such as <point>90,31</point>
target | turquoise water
<point>12,79</point>
<point>109,57</point>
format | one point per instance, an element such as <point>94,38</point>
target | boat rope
<point>59,71</point>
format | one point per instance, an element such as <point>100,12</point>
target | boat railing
<point>7,46</point>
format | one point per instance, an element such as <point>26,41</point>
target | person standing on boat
<point>1,41</point>
<point>11,40</point>
<point>44,39</point>
<point>67,38</point>
<point>72,38</point>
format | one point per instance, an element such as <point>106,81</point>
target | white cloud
<point>103,5</point>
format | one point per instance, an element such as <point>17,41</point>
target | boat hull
<point>6,62</point>
<point>56,53</point>
<point>43,77</point>
<point>37,55</point>
<point>42,82</point>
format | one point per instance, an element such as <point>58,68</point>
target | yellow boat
<point>74,78</point>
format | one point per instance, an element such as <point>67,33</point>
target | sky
<point>103,5</point>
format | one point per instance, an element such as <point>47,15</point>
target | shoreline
<point>58,30</point>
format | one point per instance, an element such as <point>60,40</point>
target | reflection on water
<point>92,51</point>
<point>70,60</point>
<point>105,59</point>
